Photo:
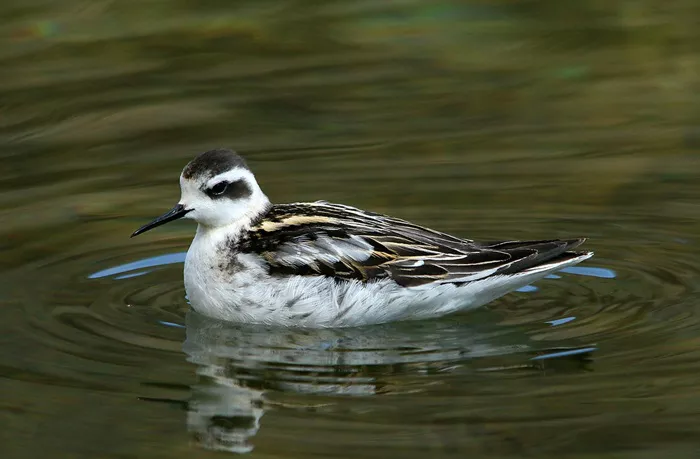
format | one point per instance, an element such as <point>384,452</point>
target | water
<point>487,120</point>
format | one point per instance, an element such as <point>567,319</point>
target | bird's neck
<point>233,231</point>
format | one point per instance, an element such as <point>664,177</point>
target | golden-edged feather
<point>340,241</point>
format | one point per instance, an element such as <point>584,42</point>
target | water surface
<point>488,120</point>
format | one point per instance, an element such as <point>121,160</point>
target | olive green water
<point>489,120</point>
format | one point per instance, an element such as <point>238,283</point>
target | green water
<point>488,120</point>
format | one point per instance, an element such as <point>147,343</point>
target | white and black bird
<point>319,264</point>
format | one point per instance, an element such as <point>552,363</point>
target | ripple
<point>238,364</point>
<point>139,302</point>
<point>108,328</point>
<point>635,299</point>
<point>119,327</point>
<point>104,333</point>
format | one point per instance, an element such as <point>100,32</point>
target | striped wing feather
<point>341,241</point>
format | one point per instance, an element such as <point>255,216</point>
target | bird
<point>325,265</point>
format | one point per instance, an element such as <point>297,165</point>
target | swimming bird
<point>318,264</point>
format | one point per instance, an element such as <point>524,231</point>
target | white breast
<point>237,287</point>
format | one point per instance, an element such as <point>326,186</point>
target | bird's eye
<point>219,188</point>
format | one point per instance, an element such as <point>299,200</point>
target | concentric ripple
<point>140,302</point>
<point>124,326</point>
<point>128,318</point>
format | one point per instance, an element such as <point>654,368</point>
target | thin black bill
<point>176,212</point>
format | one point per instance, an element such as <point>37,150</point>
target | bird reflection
<point>238,364</point>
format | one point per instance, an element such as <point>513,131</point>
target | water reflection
<point>126,270</point>
<point>237,365</point>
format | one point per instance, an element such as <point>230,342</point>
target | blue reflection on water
<point>566,353</point>
<point>159,260</point>
<point>590,271</point>
<point>130,275</point>
<point>171,324</point>
<point>562,321</point>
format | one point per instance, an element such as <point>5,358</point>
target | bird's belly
<point>284,301</point>
<point>317,301</point>
<point>243,291</point>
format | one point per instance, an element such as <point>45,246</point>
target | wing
<point>344,242</point>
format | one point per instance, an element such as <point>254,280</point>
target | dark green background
<point>489,120</point>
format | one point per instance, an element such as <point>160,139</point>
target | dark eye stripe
<point>235,190</point>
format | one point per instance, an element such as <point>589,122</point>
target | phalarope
<point>318,264</point>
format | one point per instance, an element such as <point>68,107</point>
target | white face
<point>232,197</point>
